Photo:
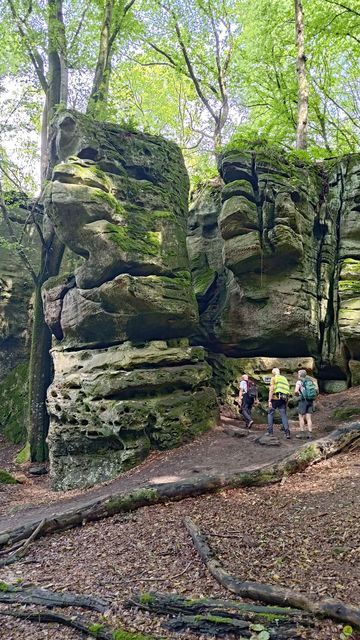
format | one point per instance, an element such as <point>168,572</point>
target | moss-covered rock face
<point>289,281</point>
<point>126,380</point>
<point>15,313</point>
<point>13,404</point>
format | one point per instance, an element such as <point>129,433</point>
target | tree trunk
<point>100,89</point>
<point>58,72</point>
<point>52,250</point>
<point>303,87</point>
<point>40,370</point>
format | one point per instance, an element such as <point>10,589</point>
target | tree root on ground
<point>270,594</point>
<point>153,493</point>
<point>46,598</point>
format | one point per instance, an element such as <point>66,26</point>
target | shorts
<point>305,406</point>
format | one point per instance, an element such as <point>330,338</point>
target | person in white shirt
<point>246,401</point>
<point>305,407</point>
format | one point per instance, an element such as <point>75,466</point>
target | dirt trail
<point>215,452</point>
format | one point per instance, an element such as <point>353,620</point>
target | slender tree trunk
<point>52,249</point>
<point>39,380</point>
<point>100,89</point>
<point>303,87</point>
<point>58,72</point>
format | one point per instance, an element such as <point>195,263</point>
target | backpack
<point>308,389</point>
<point>251,389</point>
<point>281,387</point>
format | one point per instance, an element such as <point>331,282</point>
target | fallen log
<point>78,623</point>
<point>270,594</point>
<point>94,630</point>
<point>174,604</point>
<point>154,493</point>
<point>35,595</point>
<point>19,552</point>
<point>218,626</point>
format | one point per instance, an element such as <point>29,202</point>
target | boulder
<point>109,407</point>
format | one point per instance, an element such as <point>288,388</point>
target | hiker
<point>307,391</point>
<point>247,397</point>
<point>278,398</point>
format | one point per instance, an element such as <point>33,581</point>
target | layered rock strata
<point>125,377</point>
<point>287,284</point>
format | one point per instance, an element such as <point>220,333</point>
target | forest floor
<point>303,533</point>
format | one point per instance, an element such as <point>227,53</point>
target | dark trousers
<point>246,406</point>
<point>281,406</point>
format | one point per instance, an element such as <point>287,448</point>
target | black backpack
<point>251,389</point>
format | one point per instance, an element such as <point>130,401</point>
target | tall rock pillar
<point>126,379</point>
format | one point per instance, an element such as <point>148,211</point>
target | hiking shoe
<point>269,433</point>
<point>287,433</point>
<point>250,424</point>
<point>309,436</point>
<point>301,436</point>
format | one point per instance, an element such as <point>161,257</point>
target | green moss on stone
<point>23,455</point>
<point>351,288</point>
<point>13,404</point>
<point>4,587</point>
<point>134,241</point>
<point>6,478</point>
<point>350,269</point>
<point>109,199</point>
<point>202,280</point>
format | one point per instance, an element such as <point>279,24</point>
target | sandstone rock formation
<point>125,377</point>
<point>288,283</point>
<point>16,288</point>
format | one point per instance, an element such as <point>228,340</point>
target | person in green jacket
<point>278,398</point>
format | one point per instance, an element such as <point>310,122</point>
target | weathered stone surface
<point>139,308</point>
<point>268,441</point>
<point>109,407</point>
<point>334,386</point>
<point>289,282</point>
<point>354,366</point>
<point>15,287</point>
<point>125,380</point>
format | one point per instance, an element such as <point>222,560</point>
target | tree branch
<point>79,27</point>
<point>343,6</point>
<point>163,53</point>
